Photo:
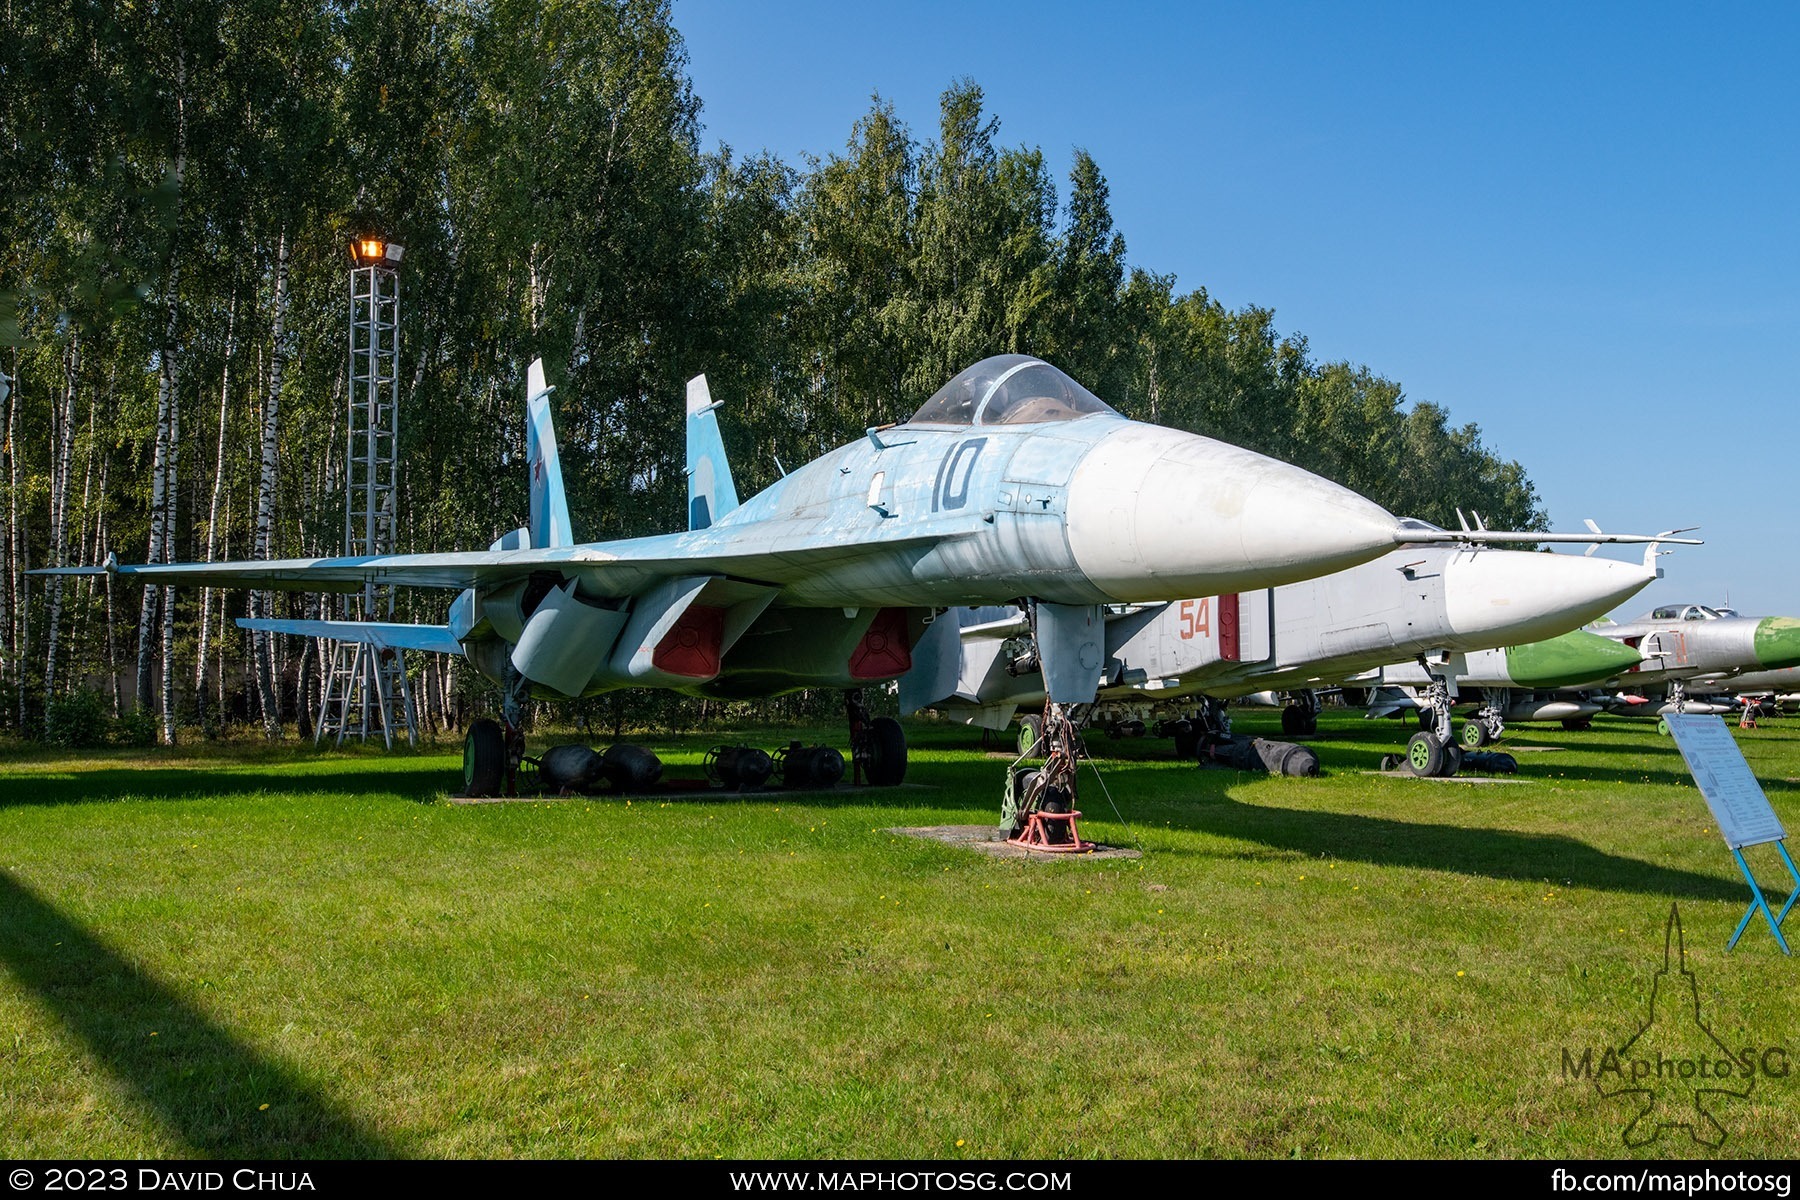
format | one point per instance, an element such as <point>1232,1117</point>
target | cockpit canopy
<point>1685,612</point>
<point>1009,389</point>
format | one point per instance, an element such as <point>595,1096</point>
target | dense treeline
<point>180,181</point>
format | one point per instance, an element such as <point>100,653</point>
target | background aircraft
<point>1680,646</point>
<point>1782,685</point>
<point>1506,679</point>
<point>1681,642</point>
<point>1296,638</point>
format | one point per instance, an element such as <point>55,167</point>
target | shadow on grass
<point>221,1097</point>
<point>1493,853</point>
<point>424,782</point>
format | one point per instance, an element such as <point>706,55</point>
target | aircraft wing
<point>769,552</point>
<point>383,635</point>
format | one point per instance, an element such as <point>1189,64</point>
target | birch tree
<point>263,657</point>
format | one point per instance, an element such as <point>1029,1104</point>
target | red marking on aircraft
<point>883,651</point>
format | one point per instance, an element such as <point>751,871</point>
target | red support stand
<point>1053,833</point>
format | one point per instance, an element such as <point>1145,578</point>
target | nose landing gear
<point>1432,751</point>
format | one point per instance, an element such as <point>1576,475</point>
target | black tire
<point>1293,720</point>
<point>1312,724</point>
<point>1031,728</point>
<point>1577,724</point>
<point>887,762</point>
<point>1187,739</point>
<point>1425,755</point>
<point>484,758</point>
<point>1453,761</point>
<point>1474,735</point>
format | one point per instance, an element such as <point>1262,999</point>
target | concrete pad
<point>982,838</point>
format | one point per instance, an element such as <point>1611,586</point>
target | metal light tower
<point>367,688</point>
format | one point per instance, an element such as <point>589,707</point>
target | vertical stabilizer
<point>549,504</point>
<point>711,493</point>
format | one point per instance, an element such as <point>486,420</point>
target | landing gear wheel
<point>1474,735</point>
<point>1293,720</point>
<point>1662,726</point>
<point>1453,760</point>
<point>1031,729</point>
<point>887,768</point>
<point>484,758</point>
<point>1425,755</point>
<point>1576,724</point>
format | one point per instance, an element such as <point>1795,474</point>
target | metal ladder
<point>367,689</point>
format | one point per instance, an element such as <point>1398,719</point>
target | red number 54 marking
<point>1196,619</point>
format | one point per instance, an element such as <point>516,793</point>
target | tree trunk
<point>62,434</point>
<point>303,698</point>
<point>168,376</point>
<point>212,518</point>
<point>159,478</point>
<point>9,658</point>
<point>265,492</point>
<point>168,600</point>
<point>86,551</point>
<point>112,630</point>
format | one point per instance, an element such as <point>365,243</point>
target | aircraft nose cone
<point>1777,642</point>
<point>1158,514</point>
<point>1573,658</point>
<point>1305,520</point>
<point>1527,597</point>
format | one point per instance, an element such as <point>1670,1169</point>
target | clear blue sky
<point>1574,225</point>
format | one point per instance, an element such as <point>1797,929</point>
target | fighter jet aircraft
<point>1012,481</point>
<point>1782,685</point>
<point>1695,645</point>
<point>1680,645</point>
<point>1337,629</point>
<point>1506,679</point>
<point>1682,642</point>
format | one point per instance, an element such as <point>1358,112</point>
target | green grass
<point>1353,965</point>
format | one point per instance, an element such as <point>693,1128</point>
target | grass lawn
<point>244,951</point>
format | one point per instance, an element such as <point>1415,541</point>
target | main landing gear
<point>1208,725</point>
<point>494,751</point>
<point>877,744</point>
<point>1301,718</point>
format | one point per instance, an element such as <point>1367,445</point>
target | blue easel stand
<point>1759,904</point>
